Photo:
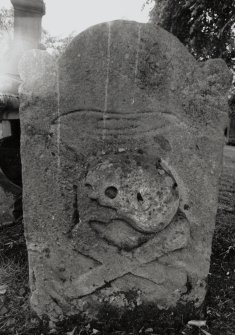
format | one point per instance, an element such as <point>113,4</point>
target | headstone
<point>27,34</point>
<point>122,146</point>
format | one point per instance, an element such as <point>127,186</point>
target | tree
<point>6,22</point>
<point>55,45</point>
<point>6,34</point>
<point>206,27</point>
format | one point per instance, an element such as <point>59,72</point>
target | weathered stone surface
<point>121,150</point>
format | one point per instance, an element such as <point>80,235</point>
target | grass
<point>14,276</point>
<point>221,284</point>
<point>218,310</point>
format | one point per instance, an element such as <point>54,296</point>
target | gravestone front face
<point>122,150</point>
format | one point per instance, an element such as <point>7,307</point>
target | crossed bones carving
<point>175,236</point>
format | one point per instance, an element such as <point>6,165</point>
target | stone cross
<point>122,144</point>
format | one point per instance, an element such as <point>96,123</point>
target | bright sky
<point>65,16</point>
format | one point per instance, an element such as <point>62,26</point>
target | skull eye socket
<point>175,186</point>
<point>111,192</point>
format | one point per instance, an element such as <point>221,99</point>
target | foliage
<point>6,21</point>
<point>206,27</point>
<point>55,45</point>
<point>6,34</point>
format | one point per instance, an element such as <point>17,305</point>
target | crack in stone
<point>107,81</point>
<point>137,61</point>
<point>75,216</point>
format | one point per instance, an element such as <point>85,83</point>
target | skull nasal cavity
<point>139,197</point>
<point>111,192</point>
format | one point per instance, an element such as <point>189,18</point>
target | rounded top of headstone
<point>130,66</point>
<point>125,79</point>
<point>126,60</point>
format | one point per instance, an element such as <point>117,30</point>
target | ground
<point>218,310</point>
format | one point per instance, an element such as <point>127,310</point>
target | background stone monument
<point>27,35</point>
<point>121,149</point>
